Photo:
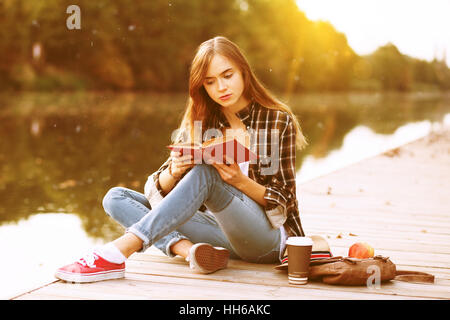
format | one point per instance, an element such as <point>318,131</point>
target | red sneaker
<point>91,268</point>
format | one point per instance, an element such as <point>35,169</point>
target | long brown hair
<point>200,107</point>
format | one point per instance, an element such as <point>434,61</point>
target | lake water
<point>60,154</point>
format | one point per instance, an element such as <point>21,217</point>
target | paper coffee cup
<point>299,253</point>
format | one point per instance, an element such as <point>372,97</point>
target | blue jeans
<point>237,222</point>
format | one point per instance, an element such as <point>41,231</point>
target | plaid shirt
<point>275,167</point>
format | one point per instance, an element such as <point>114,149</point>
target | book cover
<point>236,148</point>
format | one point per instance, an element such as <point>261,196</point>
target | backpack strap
<point>413,276</point>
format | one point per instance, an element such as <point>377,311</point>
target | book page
<point>217,140</point>
<point>240,135</point>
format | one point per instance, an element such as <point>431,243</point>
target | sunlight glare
<point>418,28</point>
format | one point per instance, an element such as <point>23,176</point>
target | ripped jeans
<point>235,221</point>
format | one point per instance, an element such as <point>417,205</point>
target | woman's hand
<point>180,164</point>
<point>230,173</point>
<point>233,175</point>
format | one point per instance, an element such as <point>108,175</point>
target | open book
<point>218,149</point>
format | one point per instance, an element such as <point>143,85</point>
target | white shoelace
<point>89,260</point>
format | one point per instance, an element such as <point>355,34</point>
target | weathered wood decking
<point>398,202</point>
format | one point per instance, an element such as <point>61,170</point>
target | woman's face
<point>224,84</point>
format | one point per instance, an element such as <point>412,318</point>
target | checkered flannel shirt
<point>277,174</point>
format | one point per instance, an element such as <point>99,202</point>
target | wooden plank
<point>108,290</point>
<point>402,257</point>
<point>324,221</point>
<point>261,274</point>
<point>443,273</point>
<point>330,231</point>
<point>141,286</point>
<point>42,296</point>
<point>379,243</point>
<point>43,284</point>
<point>413,259</point>
<point>377,218</point>
<point>439,273</point>
<point>241,265</point>
<point>422,238</point>
<point>338,215</point>
<point>246,291</point>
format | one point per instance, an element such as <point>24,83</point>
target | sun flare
<point>418,28</point>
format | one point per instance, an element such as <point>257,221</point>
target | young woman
<point>207,213</point>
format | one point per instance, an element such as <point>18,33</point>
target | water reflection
<point>62,152</point>
<point>362,143</point>
<point>35,247</point>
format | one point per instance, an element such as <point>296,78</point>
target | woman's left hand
<point>231,173</point>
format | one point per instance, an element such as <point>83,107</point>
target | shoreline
<point>436,128</point>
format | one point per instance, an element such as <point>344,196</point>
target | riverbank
<point>397,201</point>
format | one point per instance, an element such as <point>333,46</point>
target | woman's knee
<point>205,170</point>
<point>202,168</point>
<point>111,198</point>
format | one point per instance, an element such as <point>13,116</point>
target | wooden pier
<point>398,202</point>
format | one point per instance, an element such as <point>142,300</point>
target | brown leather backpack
<point>351,271</point>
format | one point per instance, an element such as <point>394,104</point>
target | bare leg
<point>182,247</point>
<point>129,244</point>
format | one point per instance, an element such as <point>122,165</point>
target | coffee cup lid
<point>299,241</point>
<point>320,250</point>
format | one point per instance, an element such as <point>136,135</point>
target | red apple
<point>360,250</point>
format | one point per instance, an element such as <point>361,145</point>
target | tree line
<point>148,45</point>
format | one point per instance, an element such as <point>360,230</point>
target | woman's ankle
<point>128,244</point>
<point>181,248</point>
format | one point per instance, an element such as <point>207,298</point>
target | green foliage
<point>148,45</point>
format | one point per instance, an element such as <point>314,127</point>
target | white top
<point>244,167</point>
<point>299,241</point>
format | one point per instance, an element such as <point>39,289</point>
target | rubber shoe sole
<point>92,277</point>
<point>205,258</point>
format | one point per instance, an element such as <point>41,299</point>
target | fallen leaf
<point>392,153</point>
<point>352,234</point>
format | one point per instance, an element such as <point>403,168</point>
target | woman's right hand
<point>180,164</point>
